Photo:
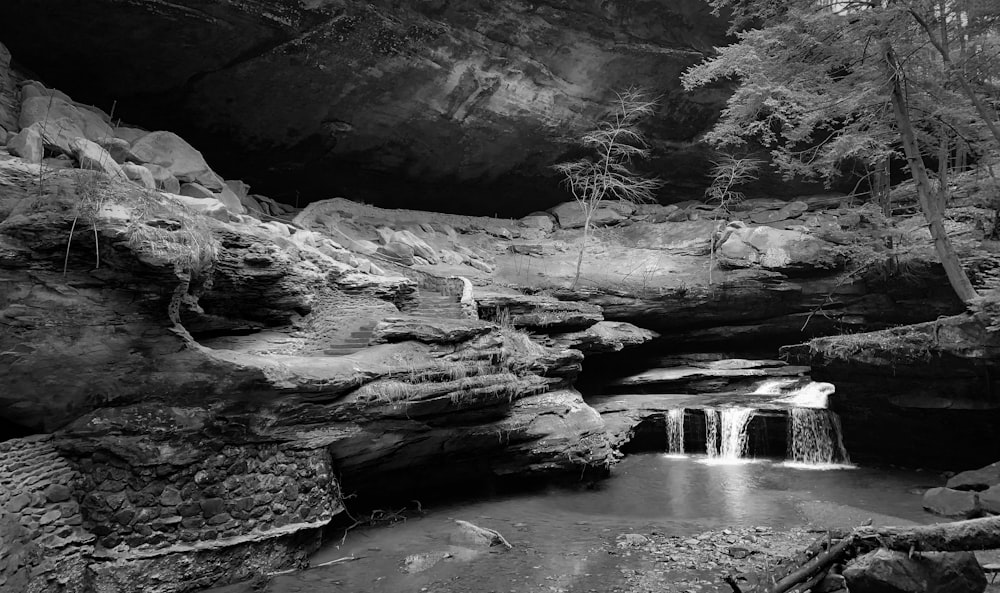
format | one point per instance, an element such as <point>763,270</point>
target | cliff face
<point>416,102</point>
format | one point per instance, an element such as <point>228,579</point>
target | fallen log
<point>959,536</point>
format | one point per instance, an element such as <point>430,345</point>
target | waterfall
<point>726,433</point>
<point>814,438</point>
<point>773,386</point>
<point>675,431</point>
<point>810,395</point>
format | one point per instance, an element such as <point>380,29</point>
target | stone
<point>196,190</point>
<point>129,134</point>
<point>57,493</point>
<point>49,517</point>
<point>170,497</point>
<point>775,249</point>
<point>632,540</point>
<point>18,502</point>
<point>428,330</point>
<point>976,479</point>
<point>252,205</point>
<point>397,252</point>
<point>419,246</point>
<point>230,200</point>
<point>164,179</point>
<point>543,221</point>
<point>951,503</point>
<point>238,187</point>
<point>790,210</point>
<point>91,156</point>
<point>570,215</point>
<point>139,174</point>
<point>3,136</point>
<point>989,500</point>
<point>885,571</point>
<point>27,144</point>
<point>212,506</point>
<point>469,534</point>
<point>172,152</point>
<point>119,150</point>
<point>42,109</point>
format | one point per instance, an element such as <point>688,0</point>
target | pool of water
<point>562,537</point>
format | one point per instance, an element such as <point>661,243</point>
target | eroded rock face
<point>194,463</point>
<point>370,98</point>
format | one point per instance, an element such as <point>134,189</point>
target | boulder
<point>976,479</point>
<point>208,206</point>
<point>397,252</point>
<point>139,174</point>
<point>469,534</point>
<point>238,187</point>
<point>251,204</point>
<point>542,221</point>
<point>91,156</point>
<point>172,152</point>
<point>775,249</point>
<point>58,133</point>
<point>27,144</point>
<point>450,257</point>
<point>164,179</point>
<point>419,246</point>
<point>429,330</point>
<point>119,150</point>
<point>41,109</point>
<point>989,500</point>
<point>951,503</point>
<point>196,190</point>
<point>605,336</point>
<point>571,216</point>
<point>231,200</point>
<point>128,134</point>
<point>789,210</point>
<point>885,571</point>
<point>620,206</point>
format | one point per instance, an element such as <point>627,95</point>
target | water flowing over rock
<point>815,438</point>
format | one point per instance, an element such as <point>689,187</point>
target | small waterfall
<point>814,438</point>
<point>712,432</point>
<point>726,432</point>
<point>811,395</point>
<point>675,431</point>
<point>773,386</point>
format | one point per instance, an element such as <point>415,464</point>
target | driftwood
<point>960,536</point>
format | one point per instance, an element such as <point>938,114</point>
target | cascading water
<point>726,432</point>
<point>814,438</point>
<point>675,431</point>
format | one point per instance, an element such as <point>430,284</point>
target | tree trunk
<point>579,260</point>
<point>933,212</point>
<point>960,536</point>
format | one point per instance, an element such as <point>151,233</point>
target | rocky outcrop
<point>481,99</point>
<point>922,390</point>
<point>537,312</point>
<point>196,408</point>
<point>603,337</point>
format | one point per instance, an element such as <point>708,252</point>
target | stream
<point>570,540</point>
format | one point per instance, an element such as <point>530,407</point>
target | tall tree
<point>607,172</point>
<point>824,83</point>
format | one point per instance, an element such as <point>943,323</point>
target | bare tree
<point>607,173</point>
